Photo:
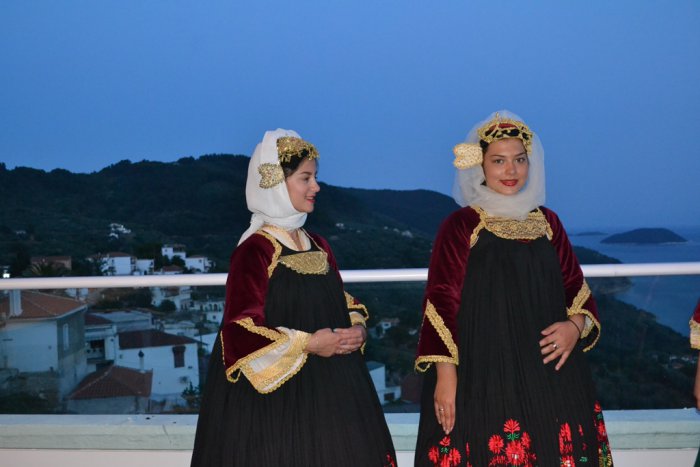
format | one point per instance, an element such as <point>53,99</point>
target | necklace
<point>292,236</point>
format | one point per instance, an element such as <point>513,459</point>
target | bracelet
<point>576,326</point>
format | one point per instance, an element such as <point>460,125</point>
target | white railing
<point>639,438</point>
<point>349,276</point>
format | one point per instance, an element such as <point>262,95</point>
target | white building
<point>180,296</point>
<point>144,266</point>
<point>198,263</point>
<point>170,251</point>
<point>42,336</point>
<point>173,360</point>
<point>115,263</point>
<point>101,342</point>
<point>209,310</point>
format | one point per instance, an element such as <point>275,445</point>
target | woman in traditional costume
<point>287,383</point>
<point>695,344</point>
<point>507,317</point>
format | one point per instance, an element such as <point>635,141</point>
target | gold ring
<point>554,346</point>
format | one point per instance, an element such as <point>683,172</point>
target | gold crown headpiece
<point>272,175</point>
<point>469,155</point>
<point>291,146</point>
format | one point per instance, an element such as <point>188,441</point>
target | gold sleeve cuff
<point>356,307</point>
<point>694,334</point>
<point>423,362</point>
<point>357,318</point>
<point>270,367</point>
<point>591,322</point>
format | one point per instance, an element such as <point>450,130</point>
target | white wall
<point>29,347</point>
<point>166,378</point>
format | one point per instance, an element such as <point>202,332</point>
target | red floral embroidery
<point>604,456</point>
<point>390,462</point>
<point>516,452</point>
<point>444,455</point>
<point>566,447</point>
<point>495,444</point>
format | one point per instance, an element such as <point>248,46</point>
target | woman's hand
<point>445,392</point>
<point>324,343</point>
<point>560,339</point>
<point>351,339</point>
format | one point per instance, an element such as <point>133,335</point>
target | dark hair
<point>293,165</point>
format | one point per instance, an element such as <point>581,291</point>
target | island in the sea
<point>645,236</point>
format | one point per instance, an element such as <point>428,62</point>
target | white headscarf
<point>469,188</point>
<point>269,205</point>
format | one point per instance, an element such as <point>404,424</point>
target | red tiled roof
<point>38,305</point>
<point>117,254</point>
<point>150,338</point>
<point>91,318</point>
<point>114,381</point>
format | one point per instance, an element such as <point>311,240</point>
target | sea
<point>671,299</point>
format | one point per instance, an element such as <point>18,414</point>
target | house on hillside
<point>112,390</point>
<point>173,360</point>
<point>102,334</point>
<point>180,296</point>
<point>195,263</point>
<point>145,267</point>
<point>101,341</point>
<point>114,263</point>
<point>42,337</point>
<point>171,250</point>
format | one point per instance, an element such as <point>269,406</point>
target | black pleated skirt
<point>511,409</point>
<point>328,414</point>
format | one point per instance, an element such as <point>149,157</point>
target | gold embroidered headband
<point>468,155</point>
<point>290,146</point>
<point>272,175</point>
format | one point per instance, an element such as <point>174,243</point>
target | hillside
<point>200,203</point>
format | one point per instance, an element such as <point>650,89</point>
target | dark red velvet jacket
<point>251,267</point>
<point>448,268</point>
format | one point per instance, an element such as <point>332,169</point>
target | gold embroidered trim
<point>535,226</point>
<point>424,362</point>
<point>576,308</point>
<point>291,146</point>
<point>275,255</point>
<point>694,334</point>
<point>356,307</point>
<point>229,375</point>
<point>243,364</point>
<point>310,262</point>
<point>481,225</point>
<point>250,326</point>
<point>500,127</point>
<point>357,318</point>
<point>271,175</point>
<point>284,368</point>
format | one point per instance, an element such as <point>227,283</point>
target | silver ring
<point>441,409</point>
<point>554,346</point>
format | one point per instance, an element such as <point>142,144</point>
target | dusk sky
<point>383,88</point>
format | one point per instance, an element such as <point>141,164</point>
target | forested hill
<point>200,203</point>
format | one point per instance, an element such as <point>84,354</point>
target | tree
<point>167,306</point>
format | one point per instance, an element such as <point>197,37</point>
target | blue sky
<point>383,88</point>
